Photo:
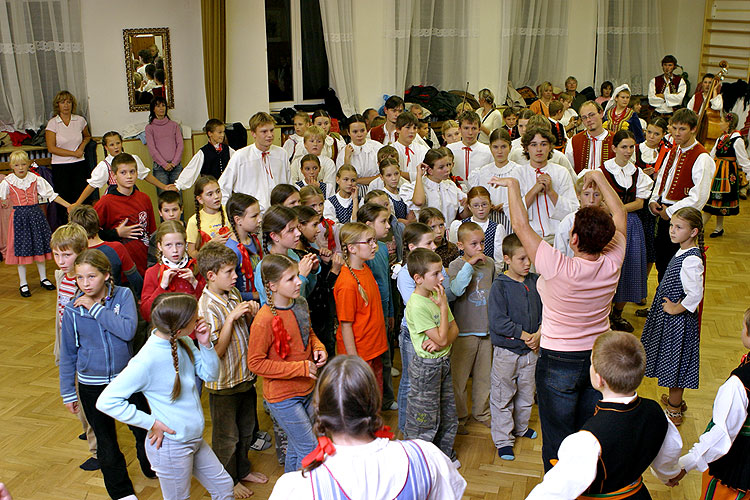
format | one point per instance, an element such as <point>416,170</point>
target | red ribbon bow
<point>325,447</point>
<point>384,432</point>
<point>281,337</point>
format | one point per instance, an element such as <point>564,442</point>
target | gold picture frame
<point>134,41</point>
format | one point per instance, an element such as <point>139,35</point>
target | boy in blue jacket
<point>515,314</point>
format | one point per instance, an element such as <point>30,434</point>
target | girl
<point>394,237</point>
<point>433,187</point>
<point>390,173</point>
<point>280,236</point>
<point>293,145</point>
<point>322,306</point>
<point>310,170</point>
<point>244,218</point>
<point>313,197</point>
<point>211,159</point>
<point>285,194</point>
<point>447,250</point>
<point>633,187</point>
<point>480,204</point>
<point>671,335</point>
<point>450,131</point>
<point>500,145</point>
<point>546,95</point>
<point>210,217</point>
<point>730,155</point>
<point>175,272</point>
<point>164,140</point>
<point>361,153</point>
<point>284,350</point>
<point>334,143</point>
<point>28,230</point>
<point>342,207</point>
<point>102,174</point>
<point>618,116</point>
<point>361,329</point>
<point>98,326</point>
<point>175,442</point>
<point>490,117</point>
<point>605,93</point>
<point>355,448</point>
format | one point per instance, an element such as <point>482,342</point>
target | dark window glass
<point>279,45</point>
<point>314,59</point>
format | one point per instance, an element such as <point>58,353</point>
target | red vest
<point>581,149</point>
<point>682,182</point>
<point>661,83</point>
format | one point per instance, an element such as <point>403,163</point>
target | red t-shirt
<point>126,262</point>
<point>368,320</point>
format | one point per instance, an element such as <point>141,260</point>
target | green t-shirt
<point>423,314</point>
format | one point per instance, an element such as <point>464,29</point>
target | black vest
<point>214,162</point>
<point>630,436</point>
<point>626,195</point>
<point>733,469</point>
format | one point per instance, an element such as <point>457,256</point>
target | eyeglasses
<point>479,205</point>
<point>371,241</point>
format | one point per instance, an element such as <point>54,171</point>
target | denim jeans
<point>166,177</point>
<point>294,415</point>
<point>407,353</point>
<point>565,396</point>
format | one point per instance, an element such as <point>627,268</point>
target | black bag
<point>236,135</point>
<point>333,105</point>
<point>420,94</point>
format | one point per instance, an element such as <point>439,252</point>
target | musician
<point>701,93</point>
<point>666,91</point>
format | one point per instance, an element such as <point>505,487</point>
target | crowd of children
<point>324,249</point>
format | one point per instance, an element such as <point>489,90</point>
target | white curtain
<point>539,41</point>
<point>338,35</point>
<point>41,53</point>
<point>628,42</point>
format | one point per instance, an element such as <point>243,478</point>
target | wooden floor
<point>41,451</point>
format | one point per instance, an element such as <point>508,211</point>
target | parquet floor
<point>41,452</point>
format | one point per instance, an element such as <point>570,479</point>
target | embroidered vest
<point>660,84</point>
<point>558,130</point>
<point>682,182</point>
<point>581,150</point>
<point>378,133</point>
<point>626,195</point>
<point>214,162</point>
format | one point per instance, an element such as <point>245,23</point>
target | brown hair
<point>96,259</point>
<point>595,228</point>
<point>433,155</point>
<point>429,213</point>
<point>732,119</point>
<point>500,134</point>
<point>121,159</point>
<point>387,152</point>
<point>684,116</point>
<point>281,192</point>
<point>374,193</point>
<point>236,206</point>
<point>213,256</point>
<point>350,233</point>
<point>469,117</point>
<point>200,185</point>
<point>619,358</point>
<point>60,97</point>
<point>413,234</point>
<point>170,313</point>
<point>477,192</point>
<point>169,197</point>
<point>406,119</point>
<point>271,268</point>
<point>467,228</point>
<point>86,217</point>
<point>447,125</point>
<point>169,227</point>
<point>370,211</point>
<point>388,162</point>
<point>106,136</point>
<point>275,220</point>
<point>693,217</point>
<point>420,259</point>
<point>555,107</point>
<point>308,192</point>
<point>69,237</point>
<point>511,244</point>
<point>533,132</point>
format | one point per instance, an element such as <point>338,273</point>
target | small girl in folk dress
<point>28,230</point>
<point>730,155</point>
<point>671,335</point>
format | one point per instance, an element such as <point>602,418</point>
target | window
<point>297,61</point>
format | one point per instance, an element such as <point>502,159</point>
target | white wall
<point>103,22</point>
<point>682,24</point>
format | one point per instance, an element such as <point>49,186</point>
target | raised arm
<point>519,215</point>
<point>619,214</point>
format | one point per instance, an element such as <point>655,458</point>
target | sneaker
<point>395,372</point>
<point>454,459</point>
<point>90,464</point>
<point>620,324</point>
<point>262,441</point>
<point>506,453</point>
<point>529,434</point>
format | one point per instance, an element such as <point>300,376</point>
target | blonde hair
<point>61,96</point>
<point>69,237</point>
<point>313,131</point>
<point>170,313</point>
<point>447,125</point>
<point>260,118</point>
<point>351,233</point>
<point>19,155</point>
<point>309,192</point>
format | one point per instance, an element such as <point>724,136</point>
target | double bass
<point>708,118</point>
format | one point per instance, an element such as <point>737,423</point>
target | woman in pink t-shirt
<point>576,296</point>
<point>67,135</point>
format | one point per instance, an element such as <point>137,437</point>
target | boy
<point>126,214</point>
<point>515,317</point>
<point>588,197</point>
<point>424,131</point>
<point>593,146</point>
<point>523,120</point>
<point>256,169</point>
<point>510,120</point>
<point>723,450</point>
<point>232,398</point>
<point>124,272</point>
<point>410,153</point>
<point>170,208</point>
<point>556,110</point>
<point>469,154</point>
<point>293,144</point>
<point>386,133</point>
<point>626,434</point>
<point>666,91</point>
<point>470,280</point>
<point>67,242</point>
<point>430,406</point>
<point>314,140</point>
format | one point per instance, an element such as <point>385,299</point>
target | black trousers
<point>663,247</point>
<point>69,180</point>
<point>112,461</point>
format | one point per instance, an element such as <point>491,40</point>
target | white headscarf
<point>611,103</point>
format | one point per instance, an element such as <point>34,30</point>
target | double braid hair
<point>274,266</point>
<point>170,313</point>
<point>276,218</point>
<point>693,217</point>
<point>200,186</point>
<point>96,259</point>
<point>106,136</point>
<point>352,233</point>
<point>236,206</point>
<point>165,228</point>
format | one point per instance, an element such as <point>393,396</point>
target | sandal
<point>674,414</point>
<point>47,284</point>
<point>665,402</point>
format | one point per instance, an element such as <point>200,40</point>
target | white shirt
<point>562,236</point>
<point>568,115</point>
<point>499,237</point>
<point>364,158</point>
<point>192,170</point>
<point>545,216</point>
<point>648,155</point>
<point>716,103</point>
<point>44,189</point>
<point>516,155</point>
<point>376,471</point>
<point>411,162</point>
<point>445,196</point>
<point>666,103</point>
<point>389,137</point>
<point>293,146</point>
<point>482,176</point>
<point>739,150</point>
<point>624,177</point>
<point>595,151</point>
<point>515,144</point>
<point>329,211</point>
<point>247,172</point>
<point>478,154</point>
<point>578,457</point>
<point>492,120</point>
<point>327,172</point>
<point>328,147</point>
<point>691,277</point>
<point>377,183</point>
<point>702,174</point>
<point>100,175</point>
<point>728,415</point>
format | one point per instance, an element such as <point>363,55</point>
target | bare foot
<point>255,477</point>
<point>241,491</point>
